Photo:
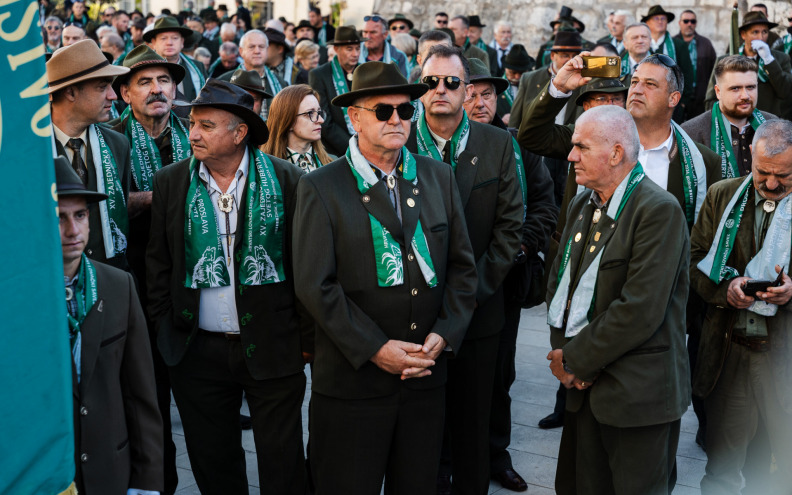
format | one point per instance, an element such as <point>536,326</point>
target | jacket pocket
<point>648,350</point>
<point>606,265</point>
<point>440,228</point>
<point>123,444</point>
<point>485,183</point>
<point>112,339</point>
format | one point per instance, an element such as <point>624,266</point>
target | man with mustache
<point>157,138</point>
<point>743,361</point>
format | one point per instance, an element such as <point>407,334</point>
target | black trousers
<point>355,443</point>
<point>597,459</point>
<point>208,385</point>
<point>500,407</point>
<point>471,375</point>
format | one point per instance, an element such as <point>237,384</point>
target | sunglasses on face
<point>384,112</point>
<point>689,21</point>
<point>53,28</point>
<point>75,24</point>
<point>451,82</point>
<point>374,18</point>
<point>398,27</point>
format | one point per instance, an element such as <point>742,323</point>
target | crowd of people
<point>380,204</point>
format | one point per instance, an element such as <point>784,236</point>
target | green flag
<point>36,425</point>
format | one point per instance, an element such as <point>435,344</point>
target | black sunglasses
<point>374,18</point>
<point>384,112</point>
<point>688,21</point>
<point>451,82</point>
<point>789,19</point>
<point>77,24</point>
<point>668,62</point>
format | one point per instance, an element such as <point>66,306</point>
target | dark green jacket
<point>635,344</point>
<point>492,201</point>
<point>531,86</point>
<point>335,135</point>
<point>336,278</point>
<point>684,62</point>
<point>268,320</point>
<point>720,319</point>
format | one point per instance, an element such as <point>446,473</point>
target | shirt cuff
<point>556,93</point>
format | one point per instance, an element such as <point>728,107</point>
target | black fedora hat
<point>601,85</point>
<point>249,80</point>
<point>479,72</point>
<point>143,57</point>
<point>68,183</point>
<point>166,24</point>
<point>401,18</point>
<point>276,37</point>
<point>567,41</point>
<point>752,18</point>
<point>232,99</point>
<point>378,78</point>
<point>346,35</point>
<point>305,23</point>
<point>518,59</point>
<point>475,21</point>
<point>657,10</point>
<point>572,20</point>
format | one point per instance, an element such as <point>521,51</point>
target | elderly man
<point>617,22</point>
<point>478,154</point>
<point>114,45</point>
<point>118,429</point>
<point>460,26</point>
<point>167,39</point>
<point>81,95</point>
<point>157,138</point>
<point>735,115</point>
<point>775,69</point>
<point>53,27</point>
<point>742,373</point>
<point>637,44</point>
<point>228,32</point>
<point>475,30</point>
<point>540,217</point>
<point>221,296</point>
<point>228,60</point>
<point>702,57</point>
<point>253,48</point>
<point>617,346</point>
<point>391,284</point>
<point>72,33</point>
<point>332,79</point>
<point>502,41</point>
<point>377,48</point>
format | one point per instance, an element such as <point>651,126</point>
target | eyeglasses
<point>668,62</point>
<point>451,82</point>
<point>398,27</point>
<point>374,18</point>
<point>384,112</point>
<point>693,21</point>
<point>313,115</point>
<point>612,100</point>
<point>441,22</point>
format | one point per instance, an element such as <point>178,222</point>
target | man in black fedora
<point>332,79</point>
<point>280,61</point>
<point>475,30</point>
<point>514,64</point>
<point>775,69</point>
<point>113,379</point>
<point>391,284</point>
<point>167,38</point>
<point>484,165</point>
<point>540,213</point>
<point>157,137</point>
<point>221,295</point>
<point>250,81</point>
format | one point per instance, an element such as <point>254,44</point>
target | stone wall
<point>530,18</point>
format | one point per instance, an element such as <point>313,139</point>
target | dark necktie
<point>78,164</point>
<point>447,152</point>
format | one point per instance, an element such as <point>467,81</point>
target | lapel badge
<point>578,236</point>
<point>592,248</point>
<point>596,237</point>
<point>474,160</point>
<point>101,305</point>
<point>415,191</point>
<point>366,198</point>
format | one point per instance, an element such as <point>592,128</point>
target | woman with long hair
<point>295,124</point>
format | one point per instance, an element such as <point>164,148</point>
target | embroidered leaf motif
<point>259,267</point>
<point>187,314</point>
<point>250,349</point>
<point>246,319</point>
<point>393,263</point>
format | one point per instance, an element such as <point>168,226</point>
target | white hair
<point>103,31</point>
<point>628,17</point>
<point>243,40</point>
<point>613,125</point>
<point>228,28</point>
<point>501,24</point>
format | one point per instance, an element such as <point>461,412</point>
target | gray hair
<point>628,17</point>
<point>202,52</point>
<point>405,43</point>
<point>55,19</point>
<point>675,79</point>
<point>275,24</point>
<point>229,48</point>
<point>776,136</point>
<point>104,31</point>
<point>115,40</point>
<point>635,25</point>
<point>229,28</point>
<point>242,41</point>
<point>234,121</point>
<point>614,126</point>
<point>501,24</point>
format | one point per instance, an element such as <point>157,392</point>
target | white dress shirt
<point>655,161</point>
<point>217,310</point>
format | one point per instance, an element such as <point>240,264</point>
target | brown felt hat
<point>251,81</point>
<point>143,57</point>
<point>752,18</point>
<point>79,62</point>
<point>567,41</point>
<point>346,35</point>
<point>378,78</point>
<point>657,10</point>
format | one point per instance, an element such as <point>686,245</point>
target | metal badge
<point>225,202</point>
<point>769,206</point>
<point>597,215</point>
<point>578,236</point>
<point>69,293</point>
<point>349,77</point>
<point>391,182</point>
<point>365,198</point>
<point>596,237</point>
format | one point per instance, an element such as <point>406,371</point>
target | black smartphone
<point>751,287</point>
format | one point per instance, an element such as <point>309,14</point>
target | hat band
<point>80,74</point>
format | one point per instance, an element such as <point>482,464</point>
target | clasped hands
<point>569,380</point>
<point>775,295</point>
<point>408,359</point>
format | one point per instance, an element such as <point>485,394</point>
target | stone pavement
<point>534,451</point>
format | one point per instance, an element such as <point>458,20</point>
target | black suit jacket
<point>269,323</point>
<point>337,280</point>
<point>705,62</point>
<point>119,146</point>
<point>117,423</point>
<point>486,175</point>
<point>335,135</point>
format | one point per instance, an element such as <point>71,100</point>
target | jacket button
<point>83,411</point>
<point>84,458</point>
<point>366,198</point>
<point>413,327</point>
<point>410,257</point>
<point>414,292</point>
